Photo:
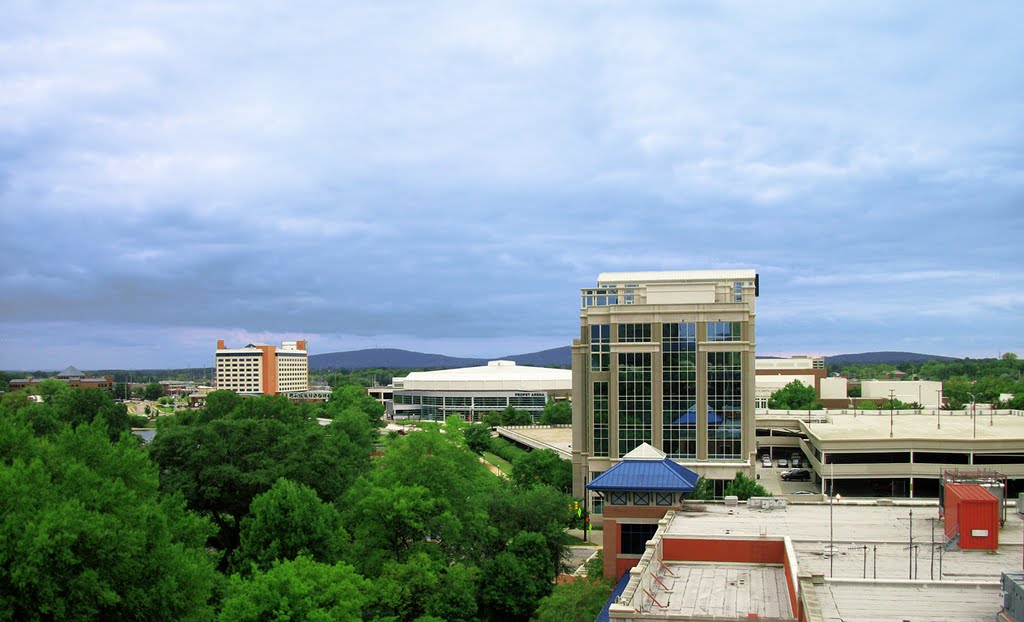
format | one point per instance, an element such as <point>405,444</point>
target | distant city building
<point>774,374</point>
<point>927,393</point>
<point>261,369</point>
<point>665,358</point>
<point>71,376</point>
<point>473,392</point>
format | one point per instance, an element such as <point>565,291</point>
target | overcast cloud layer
<point>445,177</point>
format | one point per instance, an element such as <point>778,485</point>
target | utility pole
<point>938,412</point>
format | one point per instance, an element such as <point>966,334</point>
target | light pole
<point>831,546</point>
<point>938,412</point>
<point>851,407</point>
<point>974,413</point>
<point>892,396</point>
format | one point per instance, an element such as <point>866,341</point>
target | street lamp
<point>831,546</point>
<point>938,412</point>
<point>974,411</point>
<point>892,396</point>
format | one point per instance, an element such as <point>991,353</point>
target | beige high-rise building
<point>261,369</point>
<point>665,358</point>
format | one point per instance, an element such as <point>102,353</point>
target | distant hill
<point>868,358</point>
<point>386,358</point>
<point>555,357</point>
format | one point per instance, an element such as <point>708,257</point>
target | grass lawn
<point>503,465</point>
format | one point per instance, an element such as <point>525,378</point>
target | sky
<point>446,176</point>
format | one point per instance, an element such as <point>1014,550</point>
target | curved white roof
<point>495,376</point>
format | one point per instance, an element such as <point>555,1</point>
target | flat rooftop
<point>699,590</point>
<point>555,438</point>
<point>878,570</point>
<point>955,427</point>
<point>843,601</point>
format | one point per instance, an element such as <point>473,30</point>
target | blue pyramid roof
<point>645,473</point>
<point>690,416</point>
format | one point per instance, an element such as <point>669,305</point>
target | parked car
<point>766,461</point>
<point>797,475</point>
<point>794,461</point>
<point>782,463</point>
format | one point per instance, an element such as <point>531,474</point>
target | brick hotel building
<point>261,369</point>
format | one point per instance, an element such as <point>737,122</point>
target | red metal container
<point>972,512</point>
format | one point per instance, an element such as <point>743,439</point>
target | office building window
<point>600,418</point>
<point>725,391</point>
<point>725,331</point>
<point>635,400</point>
<point>679,389</point>
<point>600,347</point>
<point>633,538</point>
<point>634,333</point>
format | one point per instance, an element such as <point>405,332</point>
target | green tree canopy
<point>287,521</point>
<point>87,536</point>
<point>577,601</point>
<point>543,467</point>
<point>478,438</point>
<point>424,587</point>
<point>220,461</point>
<point>299,589</point>
<point>556,413</point>
<point>351,396</point>
<point>794,396</point>
<point>423,494</point>
<point>153,391</point>
<point>744,488</point>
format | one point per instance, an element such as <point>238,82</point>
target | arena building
<point>473,392</point>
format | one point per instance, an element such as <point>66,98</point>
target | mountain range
<point>384,358</point>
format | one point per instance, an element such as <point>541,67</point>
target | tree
<point>425,588</point>
<point>478,438</point>
<point>580,600</point>
<point>87,536</point>
<point>703,491</point>
<point>514,416</point>
<point>153,391</point>
<point>299,589</point>
<point>510,416</point>
<point>556,413</point>
<point>50,388</point>
<point>794,396</point>
<point>350,396</point>
<point>424,494</point>
<point>78,406</point>
<point>744,488</point>
<point>542,467</point>
<point>287,521</point>
<point>221,464</point>
<point>1009,356</point>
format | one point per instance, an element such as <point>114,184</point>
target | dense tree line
<point>250,509</point>
<point>987,379</point>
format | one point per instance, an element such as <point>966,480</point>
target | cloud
<point>438,174</point>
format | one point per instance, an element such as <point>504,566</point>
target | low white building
<point>472,392</point>
<point>927,393</point>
